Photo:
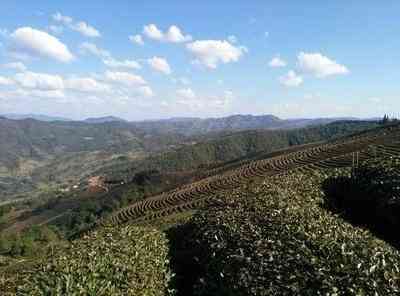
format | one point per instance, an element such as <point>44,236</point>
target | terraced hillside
<point>347,151</point>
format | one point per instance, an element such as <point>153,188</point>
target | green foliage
<point>276,239</point>
<point>370,196</point>
<point>111,261</point>
<point>32,242</point>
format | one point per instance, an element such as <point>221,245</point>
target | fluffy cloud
<point>145,91</point>
<point>86,85</point>
<point>319,65</point>
<point>91,48</point>
<point>15,66</point>
<point>277,62</point>
<point>210,53</point>
<point>6,81</point>
<point>160,65</point>
<point>137,39</point>
<point>124,78</point>
<point>39,81</point>
<point>81,27</point>
<point>86,29</point>
<point>291,79</point>
<point>174,34</point>
<point>58,17</point>
<point>186,93</point>
<point>126,64</point>
<point>152,32</point>
<point>31,42</point>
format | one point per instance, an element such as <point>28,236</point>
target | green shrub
<point>370,196</point>
<point>119,261</point>
<point>277,240</point>
<point>32,242</point>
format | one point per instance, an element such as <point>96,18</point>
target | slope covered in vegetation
<point>119,261</point>
<point>276,238</point>
<point>270,227</point>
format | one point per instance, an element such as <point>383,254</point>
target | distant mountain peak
<point>104,119</point>
<point>39,117</point>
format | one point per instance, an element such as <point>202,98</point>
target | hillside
<point>64,153</point>
<point>345,151</point>
<point>65,199</point>
<point>66,178</point>
<point>214,150</point>
<point>246,221</point>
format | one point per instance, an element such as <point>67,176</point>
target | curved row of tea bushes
<point>112,261</point>
<point>278,239</point>
<point>328,155</point>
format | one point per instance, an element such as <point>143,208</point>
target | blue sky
<point>160,59</point>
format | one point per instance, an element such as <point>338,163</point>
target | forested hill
<point>31,139</point>
<point>233,147</point>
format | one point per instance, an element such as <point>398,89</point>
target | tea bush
<point>277,239</point>
<point>111,261</point>
<point>370,196</point>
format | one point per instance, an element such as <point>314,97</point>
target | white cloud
<point>15,66</point>
<point>212,52</point>
<point>152,32</point>
<point>85,29</point>
<point>232,39</point>
<point>277,62</point>
<point>174,34</point>
<point>108,60</point>
<point>39,81</point>
<point>319,65</point>
<point>145,91</point>
<point>126,64</point>
<point>81,27</point>
<point>291,79</point>
<point>91,48</point>
<point>137,39</point>
<point>160,65</point>
<point>186,93</point>
<point>86,85</point>
<point>31,42</point>
<point>6,81</point>
<point>58,17</point>
<point>125,78</point>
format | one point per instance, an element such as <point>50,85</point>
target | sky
<point>160,59</point>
